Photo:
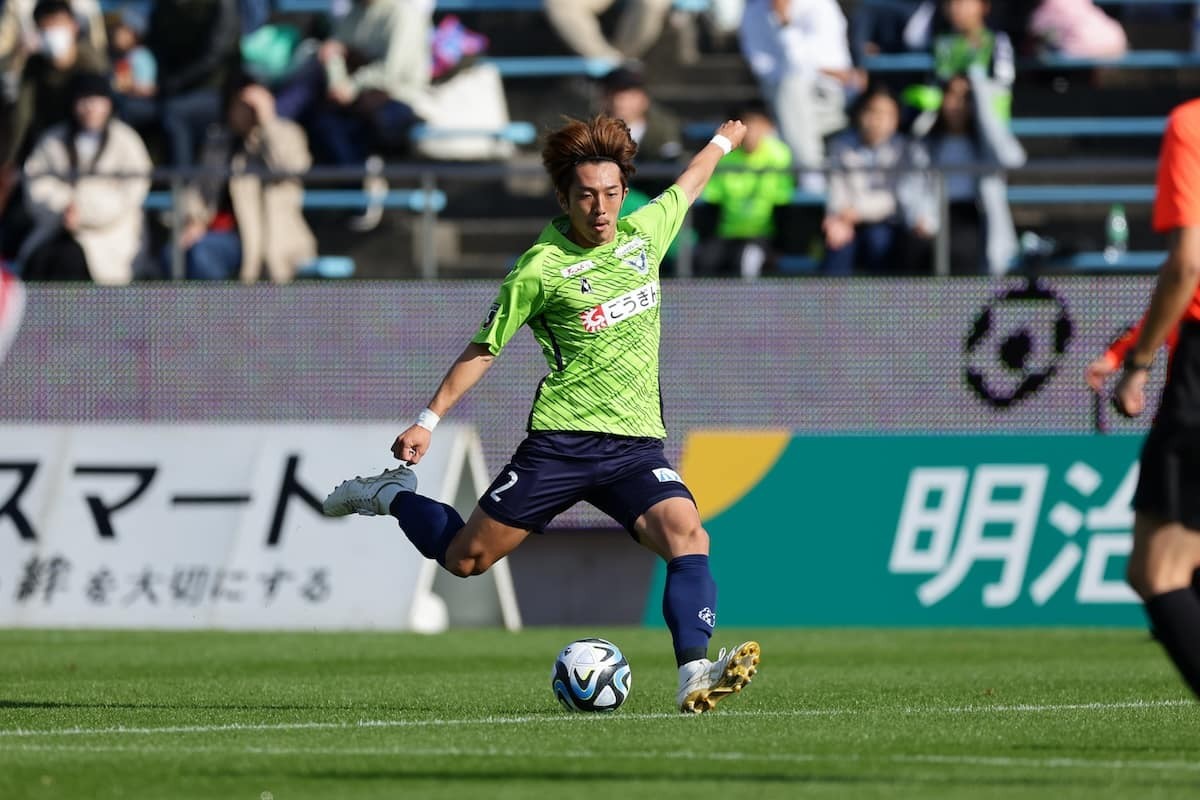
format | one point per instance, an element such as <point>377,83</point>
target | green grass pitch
<point>832,714</point>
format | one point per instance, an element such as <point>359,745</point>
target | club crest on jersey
<point>638,263</point>
<point>575,269</point>
<point>619,309</point>
<point>584,286</point>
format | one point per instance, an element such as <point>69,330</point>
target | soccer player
<point>588,289</point>
<point>1166,528</point>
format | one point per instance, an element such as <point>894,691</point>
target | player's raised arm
<point>701,167</point>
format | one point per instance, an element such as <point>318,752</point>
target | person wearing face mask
<point>87,211</point>
<point>43,98</point>
<point>19,36</point>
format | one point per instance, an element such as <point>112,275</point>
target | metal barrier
<point>419,189</point>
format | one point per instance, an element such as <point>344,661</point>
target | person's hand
<point>1129,398</point>
<point>838,232</point>
<point>1098,371</point>
<point>341,94</point>
<point>261,101</point>
<point>411,445</point>
<point>70,217</point>
<point>329,50</point>
<point>192,232</point>
<point>734,130</point>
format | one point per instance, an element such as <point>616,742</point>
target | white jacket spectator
<point>387,49</point>
<point>72,188</point>
<point>800,53</point>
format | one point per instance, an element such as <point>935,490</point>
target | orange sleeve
<point>1177,194</point>
<point>1120,346</point>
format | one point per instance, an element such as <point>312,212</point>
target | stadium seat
<point>1029,127</point>
<point>415,200</point>
<point>459,6</point>
<point>515,132</point>
<point>1137,59</point>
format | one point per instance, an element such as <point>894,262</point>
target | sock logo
<point>709,616</point>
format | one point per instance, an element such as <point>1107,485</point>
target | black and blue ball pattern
<point>591,675</point>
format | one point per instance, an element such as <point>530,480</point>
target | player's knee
<point>474,560</point>
<point>688,541</point>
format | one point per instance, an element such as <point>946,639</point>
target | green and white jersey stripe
<point>595,313</point>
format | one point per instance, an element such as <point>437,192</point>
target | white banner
<point>219,526</point>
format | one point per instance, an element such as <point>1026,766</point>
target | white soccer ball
<point>591,675</point>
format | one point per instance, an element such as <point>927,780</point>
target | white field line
<point>121,730</point>
<point>1157,765</point>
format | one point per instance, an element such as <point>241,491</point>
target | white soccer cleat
<point>370,496</point>
<point>704,683</point>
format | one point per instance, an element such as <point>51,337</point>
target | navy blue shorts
<point>550,472</point>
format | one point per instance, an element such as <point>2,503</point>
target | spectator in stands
<point>43,100</point>
<point>967,131</point>
<point>233,227</point>
<point>369,83</point>
<point>745,190</point>
<point>20,38</point>
<point>86,209</point>
<point>971,43</point>
<point>135,72</point>
<point>44,97</point>
<point>657,131</point>
<point>195,44</point>
<point>577,23</point>
<point>799,52</point>
<point>890,26</point>
<point>878,218</point>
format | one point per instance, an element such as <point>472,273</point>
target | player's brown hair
<point>599,139</point>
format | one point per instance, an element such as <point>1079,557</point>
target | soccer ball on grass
<point>591,675</point>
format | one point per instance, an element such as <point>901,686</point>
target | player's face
<point>593,203</point>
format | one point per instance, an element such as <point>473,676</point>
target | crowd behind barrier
<point>234,100</point>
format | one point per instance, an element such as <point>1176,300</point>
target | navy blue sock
<point>690,606</point>
<point>428,524</point>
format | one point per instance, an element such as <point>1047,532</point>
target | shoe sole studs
<point>740,670</point>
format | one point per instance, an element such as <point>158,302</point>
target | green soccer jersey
<point>595,313</point>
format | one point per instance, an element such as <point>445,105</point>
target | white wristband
<point>722,142</point>
<point>427,420</point>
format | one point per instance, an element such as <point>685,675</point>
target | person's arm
<point>468,369</point>
<point>520,297</point>
<point>1178,279</point>
<point>693,179</point>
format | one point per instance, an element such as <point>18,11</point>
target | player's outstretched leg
<point>370,496</point>
<point>428,524</point>
<point>704,683</point>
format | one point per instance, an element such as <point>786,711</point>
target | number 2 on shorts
<point>512,481</point>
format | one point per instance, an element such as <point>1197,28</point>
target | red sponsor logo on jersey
<point>620,308</point>
<point>594,319</point>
